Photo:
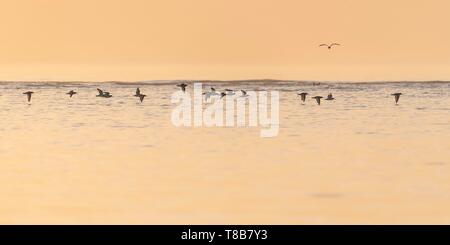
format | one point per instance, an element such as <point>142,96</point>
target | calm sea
<point>356,160</point>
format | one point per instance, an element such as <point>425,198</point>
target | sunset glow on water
<point>357,159</point>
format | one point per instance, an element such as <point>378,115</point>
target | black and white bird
<point>71,93</point>
<point>317,98</point>
<point>210,93</point>
<point>397,97</point>
<point>103,94</point>
<point>182,86</point>
<point>303,96</point>
<point>330,97</point>
<point>329,46</point>
<point>229,92</point>
<point>28,93</point>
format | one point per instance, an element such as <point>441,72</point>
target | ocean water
<point>360,159</point>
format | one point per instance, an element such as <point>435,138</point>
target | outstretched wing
<point>244,92</point>
<point>100,92</point>
<point>323,45</point>
<point>335,44</point>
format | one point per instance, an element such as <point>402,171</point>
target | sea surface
<point>360,159</point>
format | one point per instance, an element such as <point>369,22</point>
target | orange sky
<point>224,39</point>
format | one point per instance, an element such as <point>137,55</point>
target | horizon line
<point>226,80</point>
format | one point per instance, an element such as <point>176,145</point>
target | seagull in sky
<point>329,46</point>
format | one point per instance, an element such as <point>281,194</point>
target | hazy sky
<point>224,39</point>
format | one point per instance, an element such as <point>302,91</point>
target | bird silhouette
<point>71,93</point>
<point>28,93</point>
<point>103,94</point>
<point>397,97</point>
<point>317,98</point>
<point>303,96</point>
<point>182,86</point>
<point>223,94</point>
<point>244,93</point>
<point>330,97</point>
<point>329,46</point>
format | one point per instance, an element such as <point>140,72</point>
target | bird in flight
<point>182,86</point>
<point>71,93</point>
<point>303,96</point>
<point>397,97</point>
<point>139,94</point>
<point>330,97</point>
<point>329,46</point>
<point>317,98</point>
<point>29,93</point>
<point>211,93</point>
<point>103,94</point>
<point>230,92</point>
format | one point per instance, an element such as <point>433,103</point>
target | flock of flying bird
<point>101,93</point>
<point>227,92</point>
<point>330,97</point>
